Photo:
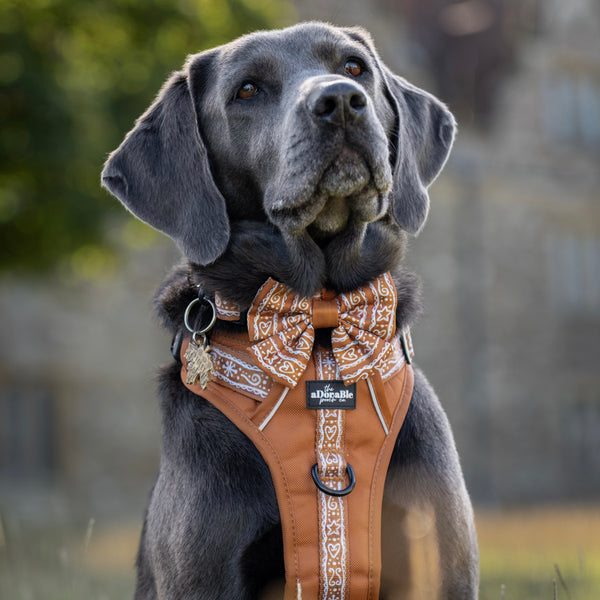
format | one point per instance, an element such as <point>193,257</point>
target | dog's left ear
<point>421,141</point>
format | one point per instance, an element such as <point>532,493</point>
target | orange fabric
<point>226,310</point>
<point>290,437</point>
<point>281,322</point>
<point>324,313</point>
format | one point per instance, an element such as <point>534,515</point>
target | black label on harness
<point>330,394</point>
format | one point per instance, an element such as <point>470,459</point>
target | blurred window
<point>572,108</point>
<point>27,433</point>
<point>581,421</point>
<point>574,274</point>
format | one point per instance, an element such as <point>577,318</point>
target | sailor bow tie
<point>283,323</point>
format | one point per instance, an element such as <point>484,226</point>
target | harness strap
<point>332,542</point>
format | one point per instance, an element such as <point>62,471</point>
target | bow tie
<point>283,323</point>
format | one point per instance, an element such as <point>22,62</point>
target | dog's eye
<point>247,90</point>
<point>353,67</point>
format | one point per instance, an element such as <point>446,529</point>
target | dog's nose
<point>337,102</point>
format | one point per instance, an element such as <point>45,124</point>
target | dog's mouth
<point>345,176</point>
<point>351,189</point>
<point>348,192</point>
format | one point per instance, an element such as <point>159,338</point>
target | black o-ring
<point>328,490</point>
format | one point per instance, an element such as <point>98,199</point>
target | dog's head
<point>303,127</point>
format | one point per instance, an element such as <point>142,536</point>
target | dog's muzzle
<point>336,169</point>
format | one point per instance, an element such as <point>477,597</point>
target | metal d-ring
<point>186,316</point>
<point>328,490</point>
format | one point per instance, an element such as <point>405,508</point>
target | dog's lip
<point>349,158</point>
<point>301,211</point>
<point>346,174</point>
<point>332,218</point>
<point>380,175</point>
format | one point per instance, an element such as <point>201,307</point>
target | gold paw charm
<point>199,362</point>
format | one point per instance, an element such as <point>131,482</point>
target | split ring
<point>189,309</point>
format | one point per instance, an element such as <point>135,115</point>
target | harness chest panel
<point>332,542</point>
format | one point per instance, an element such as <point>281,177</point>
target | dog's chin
<point>350,196</point>
<point>360,207</point>
<point>345,176</point>
<point>348,192</point>
<point>331,220</point>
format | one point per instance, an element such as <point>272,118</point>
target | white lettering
<point>328,394</point>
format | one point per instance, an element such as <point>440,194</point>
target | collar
<point>399,347</point>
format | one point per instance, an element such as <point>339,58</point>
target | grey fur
<point>313,181</point>
<point>161,174</point>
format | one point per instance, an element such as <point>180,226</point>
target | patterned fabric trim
<point>235,366</point>
<point>234,369</point>
<point>393,361</point>
<point>282,323</point>
<point>226,310</point>
<point>334,560</point>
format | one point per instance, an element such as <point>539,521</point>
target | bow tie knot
<point>325,311</point>
<point>283,323</point>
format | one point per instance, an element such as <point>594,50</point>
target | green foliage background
<point>73,77</point>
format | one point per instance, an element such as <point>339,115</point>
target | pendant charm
<point>199,362</point>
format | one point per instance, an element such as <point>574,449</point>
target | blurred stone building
<point>510,261</point>
<point>511,253</point>
<point>79,417</point>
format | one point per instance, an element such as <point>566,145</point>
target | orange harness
<point>328,463</point>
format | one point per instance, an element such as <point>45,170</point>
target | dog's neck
<point>257,252</point>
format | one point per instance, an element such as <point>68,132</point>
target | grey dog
<point>294,154</point>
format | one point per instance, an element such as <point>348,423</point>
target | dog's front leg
<point>428,534</point>
<point>212,511</point>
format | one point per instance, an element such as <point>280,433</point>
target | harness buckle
<point>407,347</point>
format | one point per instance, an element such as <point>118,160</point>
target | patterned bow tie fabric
<point>282,323</point>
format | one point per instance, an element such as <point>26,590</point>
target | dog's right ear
<point>161,173</point>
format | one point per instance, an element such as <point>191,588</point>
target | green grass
<point>540,553</point>
<point>533,554</point>
<point>72,563</point>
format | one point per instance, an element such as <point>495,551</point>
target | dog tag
<point>199,363</point>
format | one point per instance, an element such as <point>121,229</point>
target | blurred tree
<point>73,77</point>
